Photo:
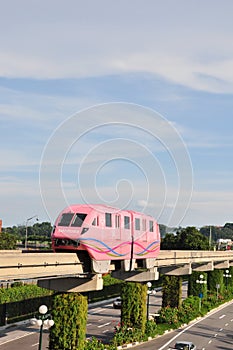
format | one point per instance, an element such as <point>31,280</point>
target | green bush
<point>126,335</point>
<point>69,313</point>
<point>169,315</point>
<point>133,311</point>
<point>151,329</point>
<point>17,293</point>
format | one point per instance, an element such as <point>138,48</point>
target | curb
<point>11,325</point>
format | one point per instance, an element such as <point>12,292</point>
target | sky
<point>124,103</point>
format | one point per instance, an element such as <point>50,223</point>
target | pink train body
<point>106,233</point>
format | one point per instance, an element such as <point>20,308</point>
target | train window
<point>137,224</point>
<point>144,224</point>
<point>126,222</point>
<point>108,219</point>
<point>95,222</point>
<point>117,221</point>
<point>151,225</point>
<point>78,219</point>
<point>66,219</point>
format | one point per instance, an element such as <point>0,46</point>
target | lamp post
<point>149,292</point>
<point>210,238</point>
<point>43,319</point>
<point>217,287</point>
<point>201,281</point>
<point>26,235</point>
<point>227,275</point>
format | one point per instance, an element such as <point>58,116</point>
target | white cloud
<point>107,39</point>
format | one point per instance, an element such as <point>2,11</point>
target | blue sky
<point>127,103</point>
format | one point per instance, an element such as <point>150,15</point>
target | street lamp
<point>43,319</point>
<point>227,275</point>
<point>149,292</point>
<point>26,236</point>
<point>201,281</point>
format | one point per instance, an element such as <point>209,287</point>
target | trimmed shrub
<point>69,313</point>
<point>172,291</point>
<point>133,311</point>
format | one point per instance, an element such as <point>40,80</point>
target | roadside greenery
<point>7,241</point>
<point>69,312</point>
<point>22,292</point>
<point>188,238</point>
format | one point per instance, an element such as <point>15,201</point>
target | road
<point>213,332</point>
<point>101,322</point>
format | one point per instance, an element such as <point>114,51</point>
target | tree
<point>169,242</point>
<point>188,238</point>
<point>7,241</point>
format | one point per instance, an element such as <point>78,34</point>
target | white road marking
<point>95,312</point>
<point>103,325</point>
<point>106,330</point>
<point>221,316</point>
<point>18,337</point>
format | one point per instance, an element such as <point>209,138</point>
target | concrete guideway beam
<point>221,265</point>
<point>176,270</point>
<point>203,267</point>
<point>137,275</point>
<point>73,284</point>
<point>32,265</point>
<point>20,265</point>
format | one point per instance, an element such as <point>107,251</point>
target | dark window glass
<point>117,221</point>
<point>137,224</point>
<point>126,222</point>
<point>78,220</point>
<point>108,219</point>
<point>151,225</point>
<point>66,219</point>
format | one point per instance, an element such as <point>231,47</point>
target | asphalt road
<point>213,332</point>
<point>101,322</point>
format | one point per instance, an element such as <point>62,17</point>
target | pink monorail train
<point>105,233</point>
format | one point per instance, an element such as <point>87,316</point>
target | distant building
<point>0,225</point>
<point>224,244</point>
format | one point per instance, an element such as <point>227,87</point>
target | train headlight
<point>84,230</point>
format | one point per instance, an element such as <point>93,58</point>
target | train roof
<point>103,208</point>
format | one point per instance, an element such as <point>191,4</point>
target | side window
<point>117,221</point>
<point>95,222</point>
<point>137,224</point>
<point>144,225</point>
<point>108,219</point>
<point>126,222</point>
<point>151,225</point>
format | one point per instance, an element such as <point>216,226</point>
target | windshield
<point>65,219</point>
<point>78,220</point>
<point>181,346</point>
<point>75,220</point>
